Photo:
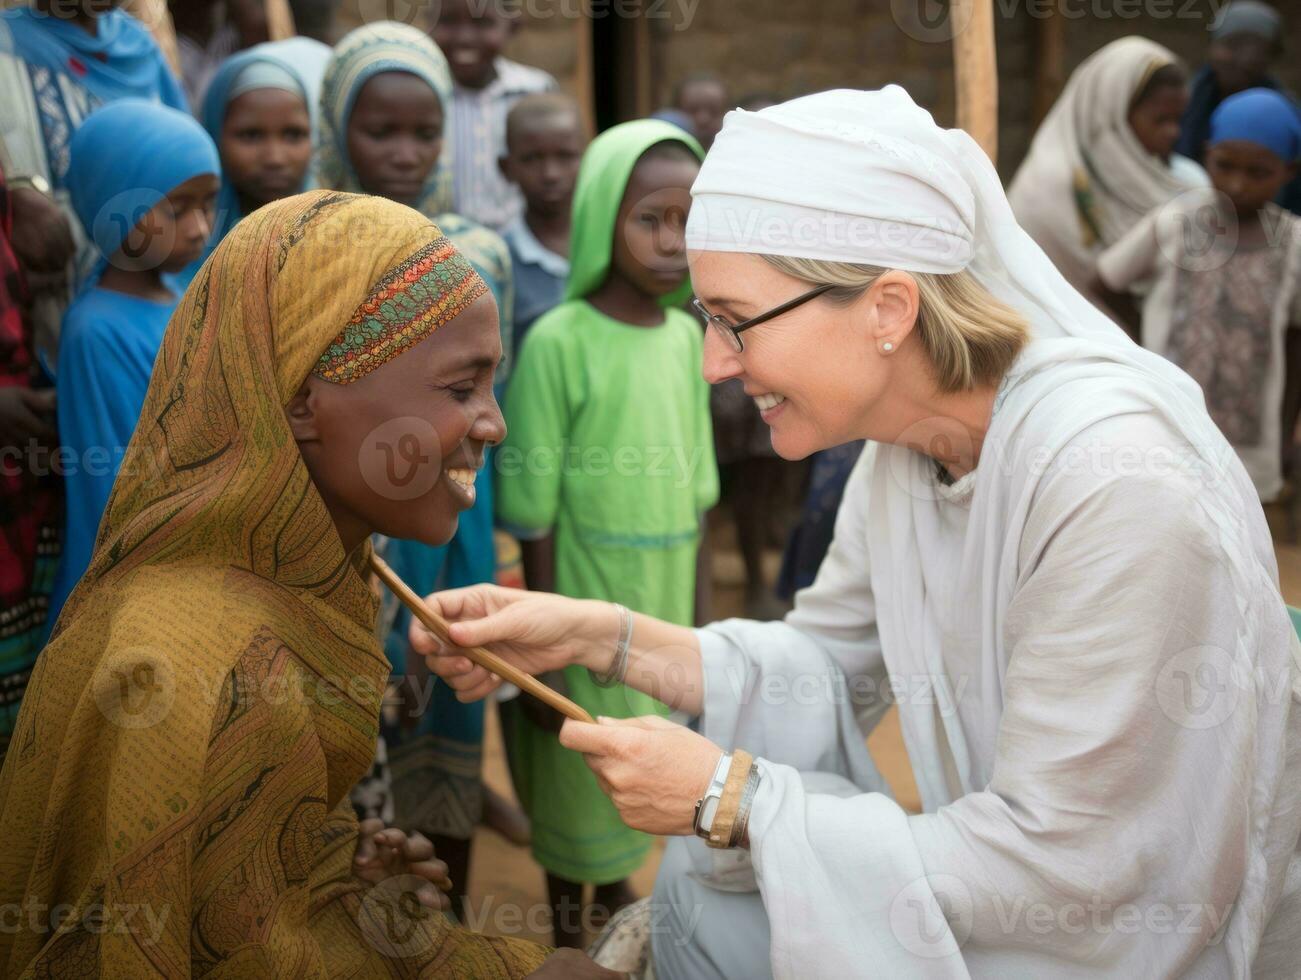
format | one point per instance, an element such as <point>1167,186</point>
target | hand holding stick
<point>484,658</point>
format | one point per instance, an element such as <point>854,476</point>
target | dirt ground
<point>508,891</point>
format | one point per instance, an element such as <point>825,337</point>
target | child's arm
<point>1128,261</point>
<point>1291,394</point>
<point>539,558</point>
<point>703,590</point>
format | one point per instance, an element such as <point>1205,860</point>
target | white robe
<point>1098,686</point>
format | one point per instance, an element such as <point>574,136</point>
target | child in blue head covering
<point>143,179</point>
<point>1225,269</point>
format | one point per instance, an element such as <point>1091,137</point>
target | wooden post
<point>584,81</point>
<point>155,16</point>
<point>975,71</point>
<point>280,20</point>
<point>1050,61</point>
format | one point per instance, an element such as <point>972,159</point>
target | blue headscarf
<point>119,61</point>
<point>257,67</point>
<point>125,158</point>
<point>1261,116</point>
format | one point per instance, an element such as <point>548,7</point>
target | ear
<point>894,301</point>
<point>301,412</point>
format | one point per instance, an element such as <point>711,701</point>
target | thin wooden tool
<point>484,658</point>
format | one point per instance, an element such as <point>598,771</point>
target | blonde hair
<point>970,337</point>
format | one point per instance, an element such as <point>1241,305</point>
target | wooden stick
<point>484,658</point>
<point>280,20</point>
<point>975,71</point>
<point>155,16</point>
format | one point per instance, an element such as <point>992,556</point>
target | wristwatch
<point>707,805</point>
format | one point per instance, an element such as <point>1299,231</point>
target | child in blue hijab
<point>258,111</point>
<point>143,179</point>
<point>1225,265</point>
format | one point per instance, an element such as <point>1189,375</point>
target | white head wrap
<point>868,177</point>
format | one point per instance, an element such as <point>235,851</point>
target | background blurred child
<point>472,34</point>
<point>1226,268</point>
<point>544,146</point>
<point>143,179</point>
<point>605,473</point>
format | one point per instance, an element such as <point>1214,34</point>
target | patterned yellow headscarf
<point>181,763</point>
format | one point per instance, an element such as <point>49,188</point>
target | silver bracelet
<point>743,809</point>
<point>618,668</point>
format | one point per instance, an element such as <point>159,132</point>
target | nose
<point>721,361</point>
<point>490,427</point>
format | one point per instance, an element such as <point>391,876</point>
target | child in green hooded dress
<point>604,476</point>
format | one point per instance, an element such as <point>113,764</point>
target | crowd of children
<point>615,442</point>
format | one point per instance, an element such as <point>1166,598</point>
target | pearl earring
<point>887,347</point>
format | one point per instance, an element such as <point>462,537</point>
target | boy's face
<point>395,136</point>
<point>266,144</point>
<point>650,233</point>
<point>471,35</point>
<point>706,103</point>
<point>1247,174</point>
<point>1155,120</point>
<point>398,450</point>
<point>174,231</point>
<point>542,157</point>
<point>1239,61</point>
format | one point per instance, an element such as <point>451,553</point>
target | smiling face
<point>650,231</point>
<point>471,34</point>
<point>397,451</point>
<point>266,145</point>
<point>815,372</point>
<point>395,136</point>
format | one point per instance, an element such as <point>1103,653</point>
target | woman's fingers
<point>599,739</point>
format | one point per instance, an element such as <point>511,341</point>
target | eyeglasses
<point>732,333</point>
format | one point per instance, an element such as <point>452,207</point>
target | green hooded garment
<point>610,449</point>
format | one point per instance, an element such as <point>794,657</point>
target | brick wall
<point>792,48</point>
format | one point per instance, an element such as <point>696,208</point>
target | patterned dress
<point>212,692</point>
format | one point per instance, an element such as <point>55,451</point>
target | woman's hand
<point>386,852</point>
<point>535,631</point>
<point>652,770</point>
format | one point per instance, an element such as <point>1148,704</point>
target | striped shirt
<point>478,131</point>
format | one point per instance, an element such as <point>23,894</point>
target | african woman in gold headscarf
<point>175,800</point>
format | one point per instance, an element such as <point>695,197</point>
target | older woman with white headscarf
<point>1047,556</point>
<point>1104,156</point>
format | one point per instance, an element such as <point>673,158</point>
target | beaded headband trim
<point>409,303</point>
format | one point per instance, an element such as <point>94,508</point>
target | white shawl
<point>1098,682</point>
<point>1087,179</point>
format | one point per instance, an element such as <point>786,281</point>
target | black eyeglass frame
<point>733,333</point>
